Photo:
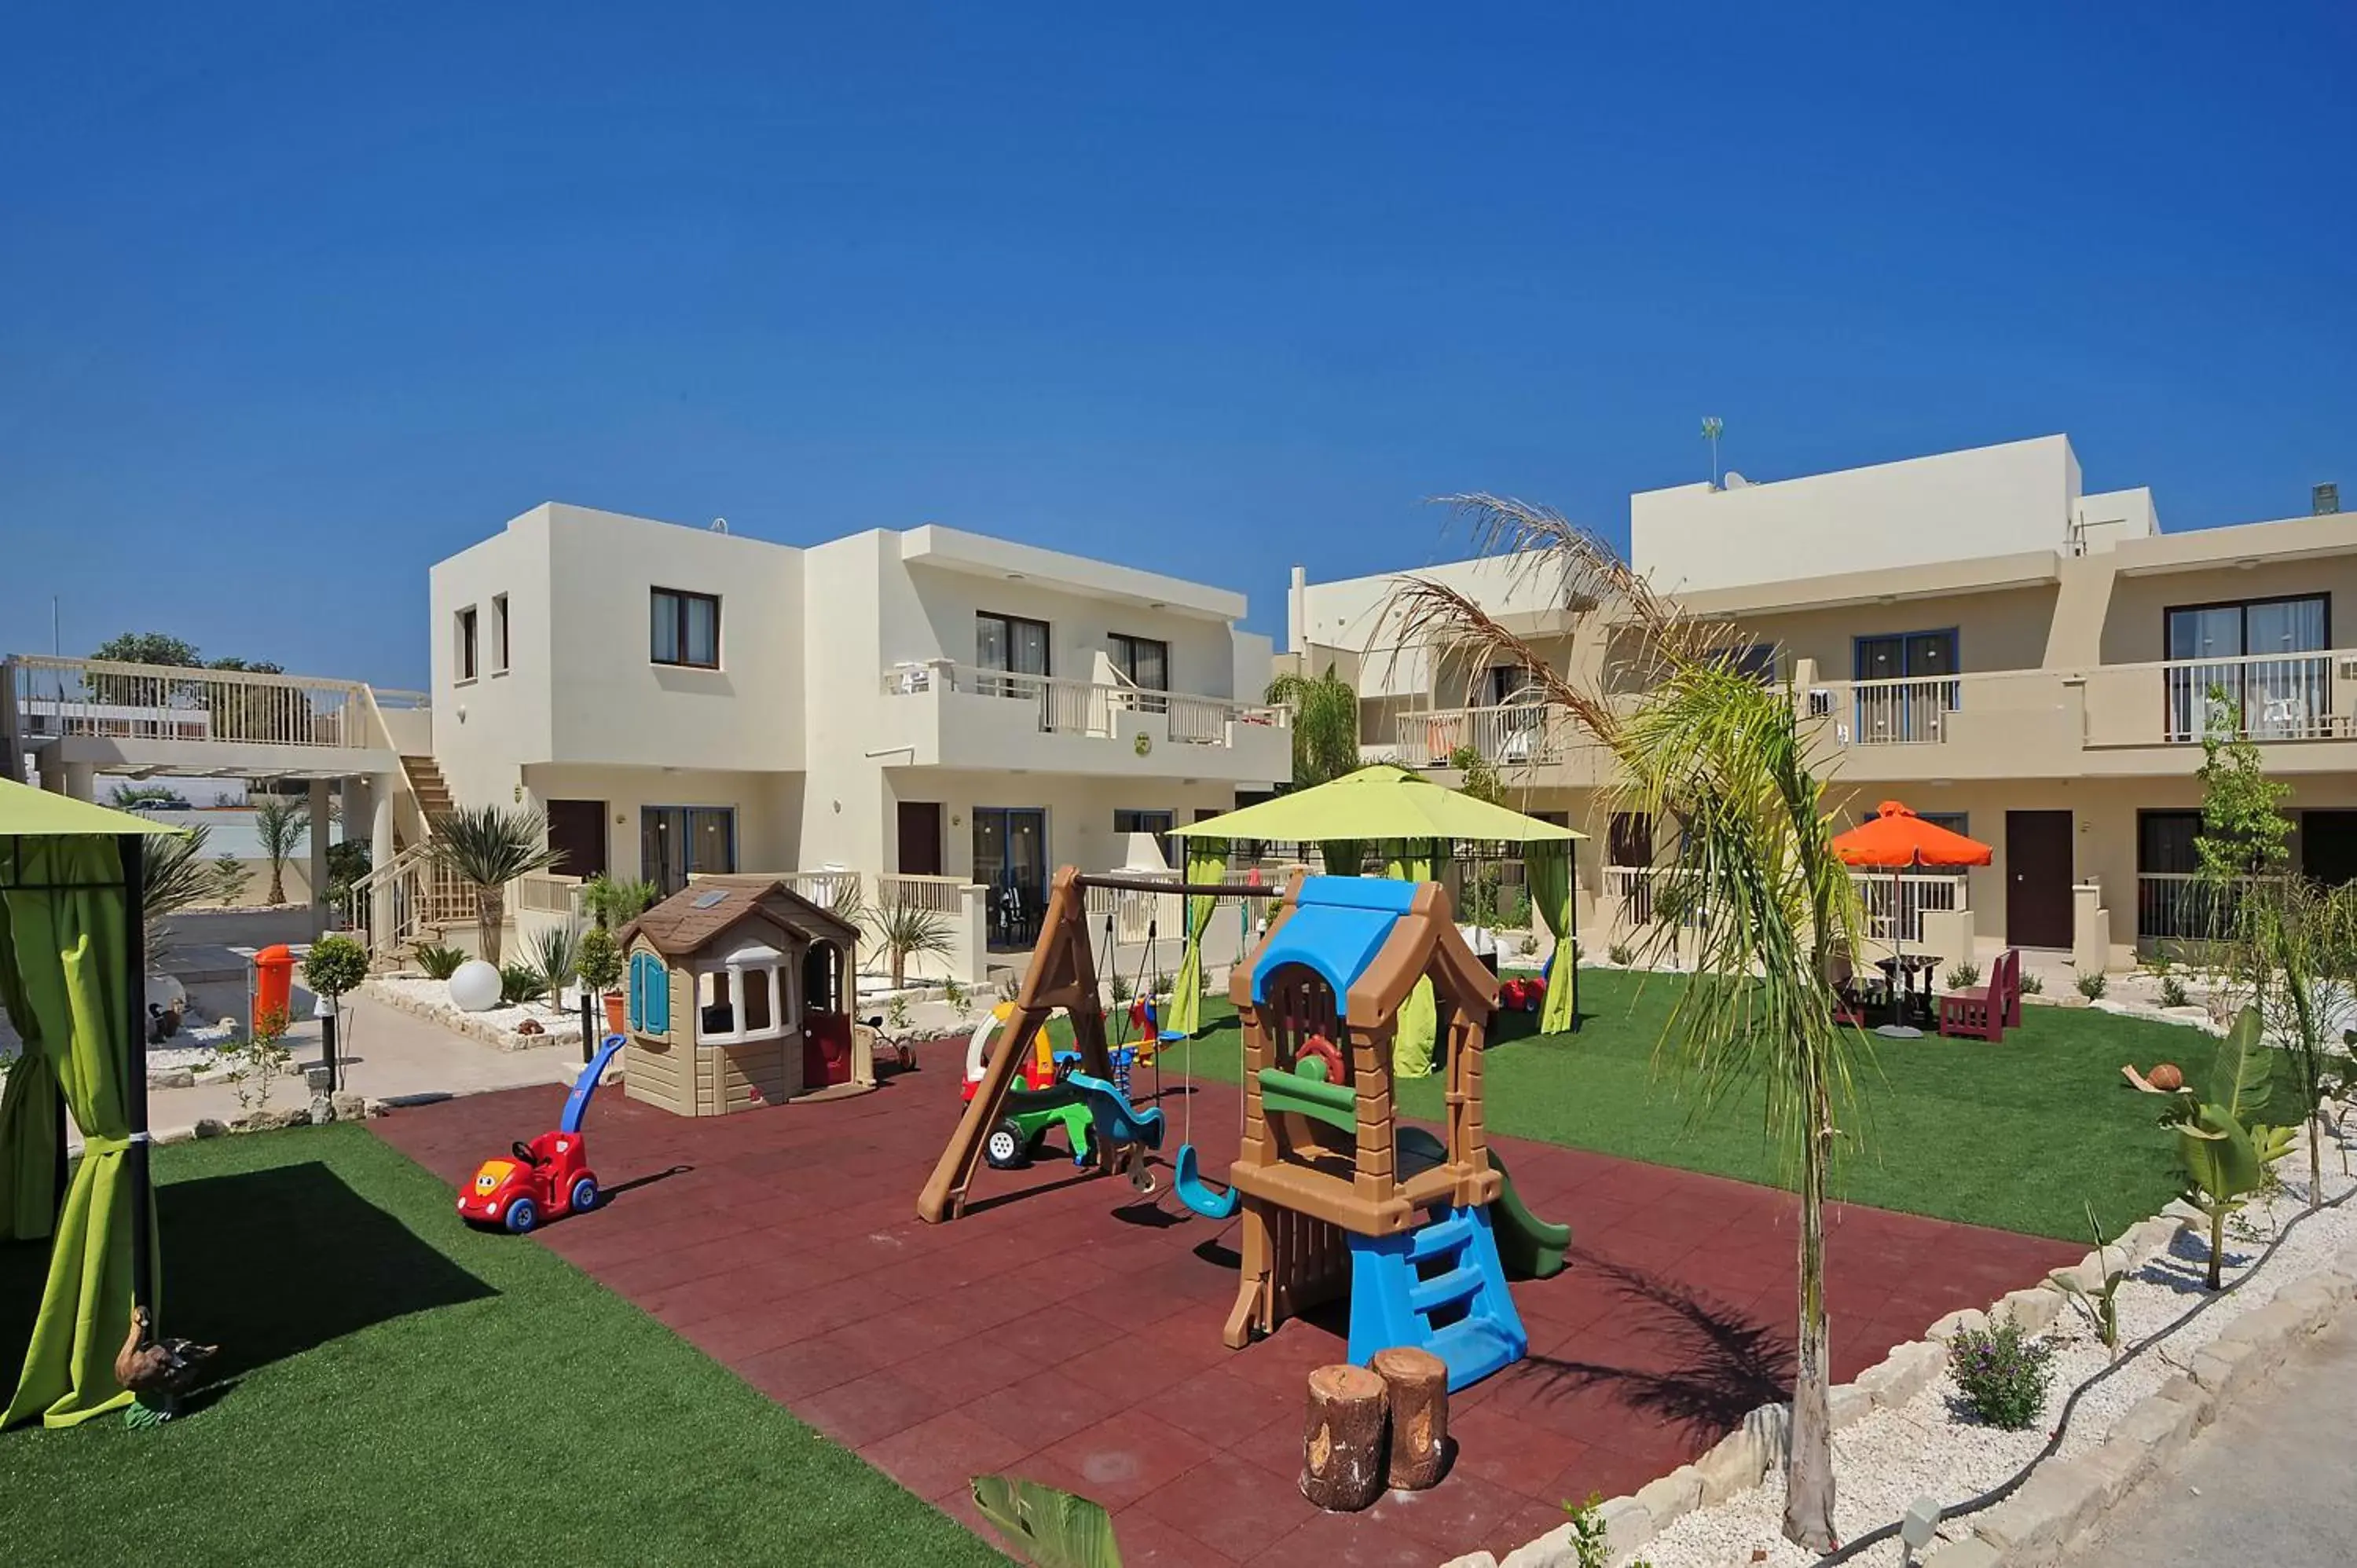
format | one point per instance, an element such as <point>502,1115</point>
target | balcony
<point>133,717</point>
<point>1516,734</point>
<point>958,715</point>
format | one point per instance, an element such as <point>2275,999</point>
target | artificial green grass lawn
<point>2019,1135</point>
<point>408,1391</point>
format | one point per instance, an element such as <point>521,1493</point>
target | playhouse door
<point>826,1050</point>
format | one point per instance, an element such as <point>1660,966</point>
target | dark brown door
<point>2038,846</point>
<point>920,838</point>
<point>578,829</point>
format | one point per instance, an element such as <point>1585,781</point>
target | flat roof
<point>978,555</point>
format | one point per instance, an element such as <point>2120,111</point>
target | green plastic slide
<point>1528,1247</point>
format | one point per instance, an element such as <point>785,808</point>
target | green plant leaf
<point>2239,1080</point>
<point>1053,1529</point>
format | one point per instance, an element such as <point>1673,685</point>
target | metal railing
<point>58,698</point>
<point>2184,905</point>
<point>1511,735</point>
<point>828,885</point>
<point>422,893</point>
<point>1906,712</point>
<point>1633,885</point>
<point>2265,697</point>
<point>935,894</point>
<point>548,893</point>
<point>1132,911</point>
<point>1066,706</point>
<point>1894,907</point>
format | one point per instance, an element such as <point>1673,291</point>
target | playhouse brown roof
<point>693,918</point>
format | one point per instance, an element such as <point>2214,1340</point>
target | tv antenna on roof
<point>1711,426</point>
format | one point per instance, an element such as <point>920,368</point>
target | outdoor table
<point>1909,985</point>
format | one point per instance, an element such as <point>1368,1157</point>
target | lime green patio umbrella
<point>1416,820</point>
<point>73,979</point>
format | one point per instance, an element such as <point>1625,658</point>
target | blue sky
<point>292,304</point>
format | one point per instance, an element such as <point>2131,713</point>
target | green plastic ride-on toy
<point>1031,1114</point>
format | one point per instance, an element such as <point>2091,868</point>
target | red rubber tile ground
<point>1067,1332</point>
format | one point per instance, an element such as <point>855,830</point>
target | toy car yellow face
<point>490,1178</point>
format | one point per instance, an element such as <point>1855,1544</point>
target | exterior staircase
<point>428,788</point>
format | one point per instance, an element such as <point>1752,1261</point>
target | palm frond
<point>490,847</point>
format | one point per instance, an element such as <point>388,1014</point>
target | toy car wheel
<point>584,1197</point>
<point>1003,1147</point>
<point>521,1216</point>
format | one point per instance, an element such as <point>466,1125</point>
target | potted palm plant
<point>488,848</point>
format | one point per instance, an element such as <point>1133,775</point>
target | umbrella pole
<point>134,1083</point>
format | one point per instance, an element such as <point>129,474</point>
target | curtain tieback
<point>93,1144</point>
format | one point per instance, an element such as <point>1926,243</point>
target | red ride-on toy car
<point>549,1176</point>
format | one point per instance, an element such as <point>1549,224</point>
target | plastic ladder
<point>1445,1268</point>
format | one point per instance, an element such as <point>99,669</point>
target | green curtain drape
<point>1548,866</point>
<point>28,1116</point>
<point>70,945</point>
<point>1418,1029</point>
<point>1207,861</point>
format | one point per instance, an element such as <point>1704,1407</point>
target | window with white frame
<point>463,636</point>
<point>742,998</point>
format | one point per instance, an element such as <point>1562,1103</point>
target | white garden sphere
<point>475,987</point>
<point>166,992</point>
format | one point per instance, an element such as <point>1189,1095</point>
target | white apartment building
<point>923,706</point>
<point>1973,633</point>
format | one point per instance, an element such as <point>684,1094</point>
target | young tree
<point>489,848</point>
<point>1325,725</point>
<point>149,647</point>
<point>279,823</point>
<point>2244,833</point>
<point>1753,880</point>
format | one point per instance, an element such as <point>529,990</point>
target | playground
<point>1069,1330</point>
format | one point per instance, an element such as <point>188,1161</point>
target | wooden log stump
<point>1342,1440</point>
<point>1417,1381</point>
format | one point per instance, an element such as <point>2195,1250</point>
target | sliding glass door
<point>2263,659</point>
<point>675,840</point>
<point>1010,859</point>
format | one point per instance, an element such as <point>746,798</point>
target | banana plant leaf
<point>2238,1079</point>
<point>2218,1155</point>
<point>1051,1527</point>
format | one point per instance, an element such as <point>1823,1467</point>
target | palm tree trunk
<point>490,913</point>
<point>1809,1483</point>
<point>899,968</point>
<point>277,880</point>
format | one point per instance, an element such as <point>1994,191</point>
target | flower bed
<point>496,1026</point>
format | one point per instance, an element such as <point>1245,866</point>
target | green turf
<point>2019,1135</point>
<point>407,1392</point>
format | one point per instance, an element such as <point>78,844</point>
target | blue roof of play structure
<point>1337,926</point>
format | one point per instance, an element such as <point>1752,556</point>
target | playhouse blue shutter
<point>638,992</point>
<point>658,997</point>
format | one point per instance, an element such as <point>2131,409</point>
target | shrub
<point>1964,976</point>
<point>556,956</point>
<point>2091,984</point>
<point>1118,989</point>
<point>520,983</point>
<point>1591,1545</point>
<point>335,964</point>
<point>1529,946</point>
<point>896,1013</point>
<point>1161,987</point>
<point>614,905</point>
<point>439,962</point>
<point>1619,953</point>
<point>2032,984</point>
<point>599,962</point>
<point>2172,992</point>
<point>2002,1374</point>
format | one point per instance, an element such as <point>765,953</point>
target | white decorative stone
<point>1970,1552</point>
<point>2035,1309</point>
<point>1556,1548</point>
<point>2161,1426</point>
<point>1970,1318</point>
<point>1848,1404</point>
<point>1735,1464</point>
<point>1471,1560</point>
<point>2030,1528</point>
<point>350,1105</point>
<point>475,987</point>
<point>1906,1371</point>
<point>1627,1524</point>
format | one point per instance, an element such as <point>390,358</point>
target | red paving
<point>1067,1332</point>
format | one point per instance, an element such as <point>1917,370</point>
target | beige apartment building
<point>1970,633</point>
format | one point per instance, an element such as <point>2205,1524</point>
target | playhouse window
<point>740,999</point>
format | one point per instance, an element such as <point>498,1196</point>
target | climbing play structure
<point>1333,1195</point>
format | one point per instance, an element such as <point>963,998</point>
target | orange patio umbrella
<point>1896,838</point>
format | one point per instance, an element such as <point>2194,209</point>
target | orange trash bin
<point>273,985</point>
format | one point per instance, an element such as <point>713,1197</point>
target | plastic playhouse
<point>1333,1196</point>
<point>740,996</point>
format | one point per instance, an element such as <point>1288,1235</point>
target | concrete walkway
<point>386,1054</point>
<point>2269,1483</point>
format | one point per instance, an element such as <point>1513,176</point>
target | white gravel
<point>1928,1448</point>
<point>433,996</point>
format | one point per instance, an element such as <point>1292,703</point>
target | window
<point>1757,661</point>
<point>1012,644</point>
<point>2266,656</point>
<point>2165,843</point>
<point>1155,822</point>
<point>1507,682</point>
<point>1144,661</point>
<point>650,1005</point>
<point>1912,655</point>
<point>676,840</point>
<point>465,641</point>
<point>499,634</point>
<point>685,629</point>
<point>2171,899</point>
<point>1912,708</point>
<point>1955,821</point>
<point>738,1000</point>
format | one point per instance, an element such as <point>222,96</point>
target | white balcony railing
<point>1907,712</point>
<point>2285,696</point>
<point>74,698</point>
<point>2183,906</point>
<point>1066,706</point>
<point>1894,906</point>
<point>934,895</point>
<point>1508,735</point>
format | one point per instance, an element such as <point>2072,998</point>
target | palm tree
<point>490,848</point>
<point>1751,879</point>
<point>903,929</point>
<point>174,874</point>
<point>1325,724</point>
<point>279,823</point>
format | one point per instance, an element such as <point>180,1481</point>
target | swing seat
<point>1192,1191</point>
